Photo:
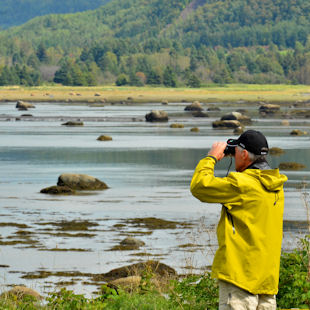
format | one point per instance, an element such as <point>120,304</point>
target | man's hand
<point>217,150</point>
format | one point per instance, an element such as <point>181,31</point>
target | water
<point>148,167</point>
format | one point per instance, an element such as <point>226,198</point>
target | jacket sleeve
<point>208,188</point>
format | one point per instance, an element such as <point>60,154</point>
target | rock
<point>97,95</point>
<point>195,106</point>
<point>26,115</point>
<point>57,190</point>
<point>19,292</point>
<point>80,182</point>
<point>269,108</point>
<point>291,166</point>
<point>138,269</point>
<point>195,129</point>
<point>132,241</point>
<point>164,102</point>
<point>213,108</point>
<point>127,282</point>
<point>297,132</point>
<point>24,105</point>
<point>200,114</point>
<point>285,122</point>
<point>104,138</point>
<point>238,130</point>
<point>236,116</point>
<point>176,125</point>
<point>226,124</point>
<point>276,151</point>
<point>156,116</point>
<point>71,123</point>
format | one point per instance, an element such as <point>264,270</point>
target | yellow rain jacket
<point>250,228</point>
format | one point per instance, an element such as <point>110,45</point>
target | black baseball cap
<point>253,141</point>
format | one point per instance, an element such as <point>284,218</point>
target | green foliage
<point>122,79</point>
<point>193,81</point>
<point>72,73</point>
<point>294,286</point>
<point>67,300</point>
<point>196,292</point>
<point>167,42</point>
<point>169,78</point>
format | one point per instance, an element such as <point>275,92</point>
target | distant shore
<point>233,93</point>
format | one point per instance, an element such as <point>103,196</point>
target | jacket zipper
<point>230,217</point>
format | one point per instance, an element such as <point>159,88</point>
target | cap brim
<point>232,142</point>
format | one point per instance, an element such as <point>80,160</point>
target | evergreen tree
<point>193,81</point>
<point>169,78</point>
<point>41,53</point>
<point>153,78</point>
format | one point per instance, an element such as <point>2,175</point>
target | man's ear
<point>245,154</point>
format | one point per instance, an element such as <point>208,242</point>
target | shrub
<point>294,285</point>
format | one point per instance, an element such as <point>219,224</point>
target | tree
<point>41,53</point>
<point>154,78</point>
<point>122,79</point>
<point>169,78</point>
<point>193,81</point>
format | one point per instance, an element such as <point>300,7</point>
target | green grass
<point>194,292</point>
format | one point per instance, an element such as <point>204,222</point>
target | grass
<point>193,292</point>
<point>113,94</point>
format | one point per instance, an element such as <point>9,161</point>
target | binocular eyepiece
<point>229,150</point>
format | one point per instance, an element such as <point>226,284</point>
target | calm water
<point>148,167</point>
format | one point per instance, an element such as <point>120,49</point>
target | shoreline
<point>234,93</point>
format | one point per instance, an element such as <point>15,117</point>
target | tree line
<point>139,43</point>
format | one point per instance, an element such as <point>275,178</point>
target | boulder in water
<point>80,182</point>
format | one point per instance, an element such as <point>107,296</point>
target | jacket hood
<point>271,179</point>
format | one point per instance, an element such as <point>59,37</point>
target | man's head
<point>249,147</point>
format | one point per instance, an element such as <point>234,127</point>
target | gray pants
<point>235,298</point>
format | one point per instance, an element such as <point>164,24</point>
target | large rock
<point>236,116</point>
<point>154,267</point>
<point>157,116</point>
<point>80,182</point>
<point>269,108</point>
<point>297,132</point>
<point>104,138</point>
<point>58,190</point>
<point>195,106</point>
<point>226,124</point>
<point>22,105</point>
<point>132,241</point>
<point>19,292</point>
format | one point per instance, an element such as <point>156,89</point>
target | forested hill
<point>184,41</point>
<point>211,23</point>
<point>17,12</point>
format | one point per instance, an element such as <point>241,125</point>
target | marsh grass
<point>113,94</point>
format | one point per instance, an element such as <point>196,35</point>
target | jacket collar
<point>260,164</point>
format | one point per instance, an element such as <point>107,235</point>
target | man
<point>249,232</point>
